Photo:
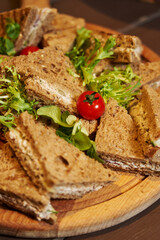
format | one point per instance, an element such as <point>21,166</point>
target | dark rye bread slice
<point>47,78</point>
<point>17,190</point>
<point>63,39</point>
<point>128,48</point>
<point>53,163</point>
<point>117,143</point>
<point>146,114</point>
<point>64,32</point>
<point>34,22</point>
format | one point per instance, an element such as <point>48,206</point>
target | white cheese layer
<point>25,206</point>
<point>54,90</point>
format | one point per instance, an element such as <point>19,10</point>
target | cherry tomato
<point>29,50</point>
<point>90,105</point>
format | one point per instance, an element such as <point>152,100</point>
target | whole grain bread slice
<point>47,78</point>
<point>67,22</point>
<point>146,114</point>
<point>117,142</point>
<point>17,190</point>
<point>53,163</point>
<point>64,32</point>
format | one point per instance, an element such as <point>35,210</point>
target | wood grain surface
<point>107,207</point>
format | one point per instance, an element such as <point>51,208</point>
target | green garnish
<point>53,211</point>
<point>7,121</point>
<point>13,99</point>
<point>12,30</point>
<point>74,133</point>
<point>119,84</point>
<point>78,55</point>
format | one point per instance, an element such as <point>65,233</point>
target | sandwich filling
<point>28,207</point>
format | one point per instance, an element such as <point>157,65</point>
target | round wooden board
<point>107,207</point>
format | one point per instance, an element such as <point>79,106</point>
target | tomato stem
<point>90,98</point>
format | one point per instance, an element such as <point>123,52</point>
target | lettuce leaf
<point>74,133</point>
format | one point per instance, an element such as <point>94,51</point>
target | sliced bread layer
<point>47,78</point>
<point>53,163</point>
<point>117,142</point>
<point>17,190</point>
<point>146,114</point>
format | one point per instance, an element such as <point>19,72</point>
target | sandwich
<point>17,190</point>
<point>49,77</point>
<point>118,145</point>
<point>64,32</point>
<point>128,48</point>
<point>145,112</point>
<point>33,22</point>
<point>53,163</point>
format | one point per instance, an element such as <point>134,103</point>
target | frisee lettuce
<point>78,55</point>
<point>13,99</point>
<point>119,84</point>
<point>74,133</point>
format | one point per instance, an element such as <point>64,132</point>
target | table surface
<point>135,17</point>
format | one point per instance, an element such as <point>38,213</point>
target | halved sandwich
<point>64,32</point>
<point>128,48</point>
<point>17,190</point>
<point>53,163</point>
<point>146,113</point>
<point>49,77</point>
<point>33,21</point>
<point>117,142</point>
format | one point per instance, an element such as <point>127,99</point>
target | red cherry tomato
<point>29,50</point>
<point>90,105</point>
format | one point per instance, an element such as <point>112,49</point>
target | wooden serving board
<point>107,207</point>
